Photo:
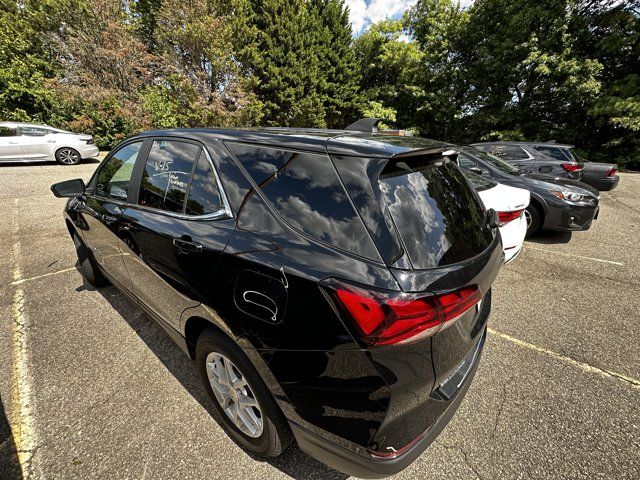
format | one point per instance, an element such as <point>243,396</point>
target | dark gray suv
<point>531,157</point>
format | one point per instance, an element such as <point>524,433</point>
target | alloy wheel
<point>68,156</point>
<point>527,216</point>
<point>233,393</point>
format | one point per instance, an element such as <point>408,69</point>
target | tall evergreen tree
<point>338,67</point>
<point>282,60</point>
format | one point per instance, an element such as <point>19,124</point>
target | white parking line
<point>36,277</point>
<point>635,383</point>
<point>576,256</point>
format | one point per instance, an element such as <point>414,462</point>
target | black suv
<point>534,158</point>
<point>332,287</point>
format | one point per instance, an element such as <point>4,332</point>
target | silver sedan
<point>28,142</point>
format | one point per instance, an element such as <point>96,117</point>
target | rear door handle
<point>186,246</point>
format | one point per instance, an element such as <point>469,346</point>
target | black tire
<point>89,269</point>
<point>276,434</point>
<point>68,156</point>
<point>534,219</point>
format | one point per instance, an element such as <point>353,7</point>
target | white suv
<point>27,142</point>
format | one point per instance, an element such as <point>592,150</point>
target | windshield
<point>479,183</point>
<point>493,160</point>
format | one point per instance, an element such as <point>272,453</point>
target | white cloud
<point>362,13</point>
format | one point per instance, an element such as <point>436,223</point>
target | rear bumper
<point>603,184</point>
<point>89,151</point>
<point>360,463</point>
<point>570,217</point>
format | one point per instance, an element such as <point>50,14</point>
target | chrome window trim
<point>224,212</point>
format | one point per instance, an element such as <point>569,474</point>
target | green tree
<point>283,63</point>
<point>338,70</point>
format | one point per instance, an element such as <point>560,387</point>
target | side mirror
<point>68,188</point>
<point>492,218</point>
<point>476,170</point>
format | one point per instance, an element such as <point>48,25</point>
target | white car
<point>28,142</point>
<point>509,203</point>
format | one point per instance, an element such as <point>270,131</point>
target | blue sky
<point>365,12</point>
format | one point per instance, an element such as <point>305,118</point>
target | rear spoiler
<point>404,160</point>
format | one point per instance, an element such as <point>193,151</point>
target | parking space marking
<point>20,281</point>
<point>634,382</point>
<point>576,256</point>
<point>22,394</point>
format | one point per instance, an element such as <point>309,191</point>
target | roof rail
<point>365,125</point>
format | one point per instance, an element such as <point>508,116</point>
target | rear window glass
<point>166,175</point>
<point>435,210</point>
<point>204,195</point>
<point>305,191</point>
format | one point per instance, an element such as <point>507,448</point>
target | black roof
<point>337,142</point>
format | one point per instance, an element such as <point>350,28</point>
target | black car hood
<point>567,184</point>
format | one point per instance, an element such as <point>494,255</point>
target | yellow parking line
<point>36,277</point>
<point>529,247</point>
<point>22,395</point>
<point>582,365</point>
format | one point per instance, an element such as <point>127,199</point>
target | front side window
<point>495,161</point>
<point>306,192</point>
<point>8,132</point>
<point>114,177</point>
<point>166,175</point>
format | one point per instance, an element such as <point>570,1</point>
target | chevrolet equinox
<point>331,286</point>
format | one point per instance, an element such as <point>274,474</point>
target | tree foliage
<point>533,69</point>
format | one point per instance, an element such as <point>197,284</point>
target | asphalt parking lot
<point>90,387</point>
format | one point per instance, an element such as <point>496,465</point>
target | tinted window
<point>508,152</point>
<point>33,131</point>
<point>115,174</point>
<point>8,132</point>
<point>204,196</point>
<point>493,160</point>
<point>478,182</point>
<point>553,152</point>
<point>305,190</point>
<point>435,210</point>
<point>166,175</point>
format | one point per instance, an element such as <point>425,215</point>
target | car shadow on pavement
<point>293,462</point>
<point>9,463</point>
<point>550,237</point>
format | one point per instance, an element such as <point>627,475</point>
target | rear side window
<point>305,191</point>
<point>435,210</point>
<point>204,195</point>
<point>553,152</point>
<point>114,176</point>
<point>508,152</point>
<point>166,175</point>
<point>34,131</point>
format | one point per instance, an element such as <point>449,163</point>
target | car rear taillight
<point>612,171</point>
<point>572,167</point>
<point>506,217</point>
<point>388,318</point>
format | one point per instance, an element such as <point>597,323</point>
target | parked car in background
<point>531,158</point>
<point>602,176</point>
<point>510,204</point>
<point>556,204</point>
<point>28,142</point>
<point>332,286</point>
